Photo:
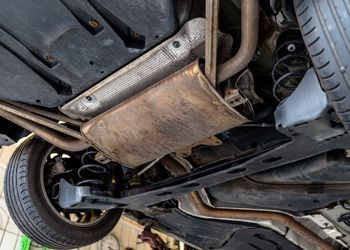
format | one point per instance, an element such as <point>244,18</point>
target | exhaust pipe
<point>254,215</point>
<point>249,41</point>
<point>40,126</point>
<point>195,206</point>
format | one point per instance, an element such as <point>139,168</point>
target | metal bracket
<point>233,98</point>
<point>80,197</point>
<point>211,39</point>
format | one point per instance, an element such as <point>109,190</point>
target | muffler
<point>176,112</point>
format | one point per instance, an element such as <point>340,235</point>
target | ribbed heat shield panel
<point>177,52</point>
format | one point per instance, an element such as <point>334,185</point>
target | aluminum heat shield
<point>155,65</point>
<point>178,111</point>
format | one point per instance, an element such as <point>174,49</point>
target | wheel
<point>30,195</point>
<point>325,28</point>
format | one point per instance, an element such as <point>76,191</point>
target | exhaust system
<point>52,132</point>
<point>193,204</point>
<point>180,110</point>
<point>176,112</point>
<point>201,209</point>
<point>249,41</point>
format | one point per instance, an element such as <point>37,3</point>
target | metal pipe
<point>48,135</point>
<point>48,114</point>
<point>211,39</point>
<point>40,120</point>
<point>201,209</point>
<point>173,165</point>
<point>150,165</point>
<point>249,41</point>
<point>254,215</point>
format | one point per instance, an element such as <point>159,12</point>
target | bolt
<point>89,98</point>
<point>93,23</point>
<point>258,52</point>
<point>347,153</point>
<point>197,161</point>
<point>49,58</point>
<point>137,35</point>
<point>291,47</point>
<point>176,44</point>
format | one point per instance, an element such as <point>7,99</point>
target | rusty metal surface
<point>199,208</point>
<point>155,65</point>
<point>256,215</point>
<point>40,120</point>
<point>49,135</point>
<point>57,117</point>
<point>180,110</point>
<point>249,41</point>
<point>211,39</point>
<point>233,97</point>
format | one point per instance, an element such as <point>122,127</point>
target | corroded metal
<point>249,41</point>
<point>54,125</point>
<point>233,97</point>
<point>255,215</point>
<point>197,207</point>
<point>176,112</point>
<point>55,138</point>
<point>155,65</point>
<point>45,113</point>
<point>211,39</point>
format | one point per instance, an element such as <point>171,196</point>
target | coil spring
<point>91,173</point>
<point>290,63</point>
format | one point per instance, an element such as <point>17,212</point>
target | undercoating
<point>50,51</point>
<point>215,234</point>
<point>297,187</point>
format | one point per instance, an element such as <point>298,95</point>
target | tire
<point>30,210</point>
<point>325,26</point>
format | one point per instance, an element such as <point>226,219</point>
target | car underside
<point>222,123</point>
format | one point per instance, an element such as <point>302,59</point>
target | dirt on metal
<point>178,111</point>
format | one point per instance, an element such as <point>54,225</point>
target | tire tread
<point>22,208</point>
<point>324,25</point>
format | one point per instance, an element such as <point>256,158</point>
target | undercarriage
<point>223,123</point>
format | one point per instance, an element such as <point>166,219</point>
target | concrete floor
<point>126,230</point>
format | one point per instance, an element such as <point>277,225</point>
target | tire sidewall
<point>37,151</point>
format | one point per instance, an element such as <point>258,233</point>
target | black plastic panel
<point>297,187</point>
<point>51,51</point>
<point>223,235</point>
